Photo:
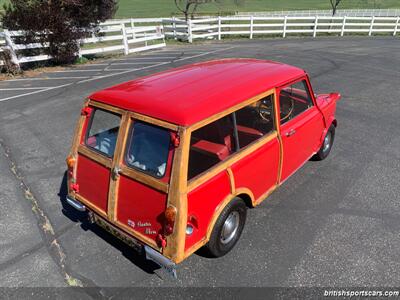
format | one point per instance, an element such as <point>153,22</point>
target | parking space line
<point>156,65</point>
<point>115,74</point>
<point>25,88</point>
<point>134,63</point>
<point>36,92</point>
<point>83,70</point>
<point>146,58</point>
<point>47,78</point>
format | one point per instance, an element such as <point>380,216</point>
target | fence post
<point>343,26</point>
<point>284,26</point>
<point>174,27</point>
<point>219,27</point>
<point>251,26</point>
<point>133,29</point>
<point>124,39</point>
<point>315,26</point>
<point>10,46</point>
<point>189,25</point>
<point>371,26</point>
<point>396,26</point>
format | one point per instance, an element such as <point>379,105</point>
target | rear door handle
<point>291,132</point>
<point>115,172</point>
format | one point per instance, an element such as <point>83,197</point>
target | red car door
<point>301,126</point>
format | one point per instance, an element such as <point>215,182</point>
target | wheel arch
<point>244,194</point>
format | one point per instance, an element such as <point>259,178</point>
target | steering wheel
<point>286,107</point>
<point>265,109</point>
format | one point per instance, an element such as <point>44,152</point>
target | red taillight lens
<point>170,216</point>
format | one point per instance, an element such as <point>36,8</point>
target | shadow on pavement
<point>76,216</point>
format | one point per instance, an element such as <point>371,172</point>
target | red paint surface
<point>93,180</point>
<point>140,204</point>
<point>202,203</point>
<point>298,147</point>
<point>194,92</point>
<point>258,171</point>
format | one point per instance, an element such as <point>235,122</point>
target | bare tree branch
<point>334,4</point>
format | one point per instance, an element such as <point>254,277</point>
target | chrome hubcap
<point>327,142</point>
<point>230,227</point>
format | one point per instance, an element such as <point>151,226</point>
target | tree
<point>189,7</point>
<point>334,4</point>
<point>58,24</point>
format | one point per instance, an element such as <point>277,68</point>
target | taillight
<point>70,162</point>
<point>170,216</point>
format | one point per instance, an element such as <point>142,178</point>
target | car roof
<point>189,94</point>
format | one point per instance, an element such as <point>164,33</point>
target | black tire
<point>325,149</point>
<point>220,242</point>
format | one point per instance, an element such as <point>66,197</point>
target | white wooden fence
<point>327,13</point>
<point>124,36</point>
<point>251,26</point>
<point>134,35</point>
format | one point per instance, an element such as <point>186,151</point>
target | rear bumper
<point>76,204</point>
<point>151,254</point>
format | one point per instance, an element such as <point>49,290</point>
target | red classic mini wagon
<point>170,162</point>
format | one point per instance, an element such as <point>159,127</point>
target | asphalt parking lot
<point>334,223</point>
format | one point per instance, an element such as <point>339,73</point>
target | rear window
<point>148,149</point>
<point>103,132</point>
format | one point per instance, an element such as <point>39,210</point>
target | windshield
<point>148,149</point>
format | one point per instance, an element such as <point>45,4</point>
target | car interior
<point>216,141</point>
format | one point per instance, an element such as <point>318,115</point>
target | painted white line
<point>25,88</point>
<point>152,66</point>
<point>134,63</point>
<point>118,70</point>
<point>82,70</point>
<point>145,58</point>
<point>114,74</point>
<point>36,92</point>
<point>47,78</point>
<point>96,64</point>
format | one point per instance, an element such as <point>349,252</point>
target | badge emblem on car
<point>131,223</point>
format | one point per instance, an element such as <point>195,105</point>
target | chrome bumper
<point>162,261</point>
<point>151,254</point>
<point>76,204</point>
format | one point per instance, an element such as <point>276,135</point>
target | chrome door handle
<point>291,132</point>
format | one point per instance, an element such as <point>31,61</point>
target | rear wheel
<point>325,149</point>
<point>227,228</point>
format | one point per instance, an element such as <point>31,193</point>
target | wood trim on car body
<point>179,186</point>
<point>75,144</point>
<point>226,165</point>
<point>177,197</point>
<point>116,163</point>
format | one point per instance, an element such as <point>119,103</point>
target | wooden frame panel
<point>177,197</point>
<point>144,178</point>
<point>207,175</point>
<point>93,155</point>
<point>226,165</point>
<point>116,162</point>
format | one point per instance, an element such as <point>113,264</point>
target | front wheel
<point>326,147</point>
<point>227,228</point>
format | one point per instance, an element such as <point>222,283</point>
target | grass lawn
<point>166,8</point>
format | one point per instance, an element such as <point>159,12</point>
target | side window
<point>255,120</point>
<point>148,149</point>
<point>293,100</point>
<point>103,132</point>
<point>210,144</point>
